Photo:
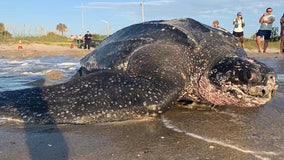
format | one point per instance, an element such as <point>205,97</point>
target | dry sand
<point>36,50</point>
<point>271,53</point>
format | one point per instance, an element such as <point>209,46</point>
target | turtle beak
<point>252,83</point>
<point>269,87</point>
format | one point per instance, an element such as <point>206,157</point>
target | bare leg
<point>242,41</point>
<point>282,44</point>
<point>265,45</point>
<point>281,48</point>
<point>258,42</point>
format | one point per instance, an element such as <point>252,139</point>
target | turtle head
<point>239,81</point>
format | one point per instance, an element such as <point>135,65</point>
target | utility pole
<point>83,28</point>
<point>142,11</point>
<point>107,27</point>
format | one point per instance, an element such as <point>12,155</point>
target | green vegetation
<point>251,44</point>
<point>50,38</point>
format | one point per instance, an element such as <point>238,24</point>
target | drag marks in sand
<point>263,155</point>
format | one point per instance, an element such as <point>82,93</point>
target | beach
<point>189,134</point>
<point>34,50</point>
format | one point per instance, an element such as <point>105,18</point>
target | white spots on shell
<point>152,107</point>
<point>183,76</point>
<point>122,66</point>
<point>191,39</point>
<point>211,33</point>
<point>38,115</point>
<point>240,96</point>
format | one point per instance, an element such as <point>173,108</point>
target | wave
<point>15,74</point>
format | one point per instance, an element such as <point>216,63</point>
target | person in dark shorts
<point>88,38</point>
<point>266,21</point>
<point>238,31</point>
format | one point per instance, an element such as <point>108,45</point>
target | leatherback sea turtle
<point>142,70</point>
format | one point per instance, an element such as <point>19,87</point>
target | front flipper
<point>103,96</point>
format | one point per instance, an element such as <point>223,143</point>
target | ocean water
<point>16,74</point>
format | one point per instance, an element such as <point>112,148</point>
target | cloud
<point>118,5</point>
<point>124,13</point>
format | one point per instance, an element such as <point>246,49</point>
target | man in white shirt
<point>266,21</point>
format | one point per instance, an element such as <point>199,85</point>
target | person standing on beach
<point>79,40</point>
<point>238,31</point>
<point>88,38</point>
<point>266,21</point>
<point>282,34</point>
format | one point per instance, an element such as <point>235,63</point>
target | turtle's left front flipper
<point>103,96</point>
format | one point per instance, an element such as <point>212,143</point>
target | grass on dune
<point>50,38</point>
<point>251,44</point>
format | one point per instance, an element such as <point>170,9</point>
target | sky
<point>33,17</point>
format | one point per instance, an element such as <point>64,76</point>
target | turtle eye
<point>249,76</point>
<point>245,76</point>
<point>252,77</point>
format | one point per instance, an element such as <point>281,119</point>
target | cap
<point>239,13</point>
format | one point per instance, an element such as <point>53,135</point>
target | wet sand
<point>181,134</point>
<point>178,134</point>
<point>147,139</point>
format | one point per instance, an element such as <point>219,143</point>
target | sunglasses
<point>268,11</point>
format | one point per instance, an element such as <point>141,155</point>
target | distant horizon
<point>31,18</point>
